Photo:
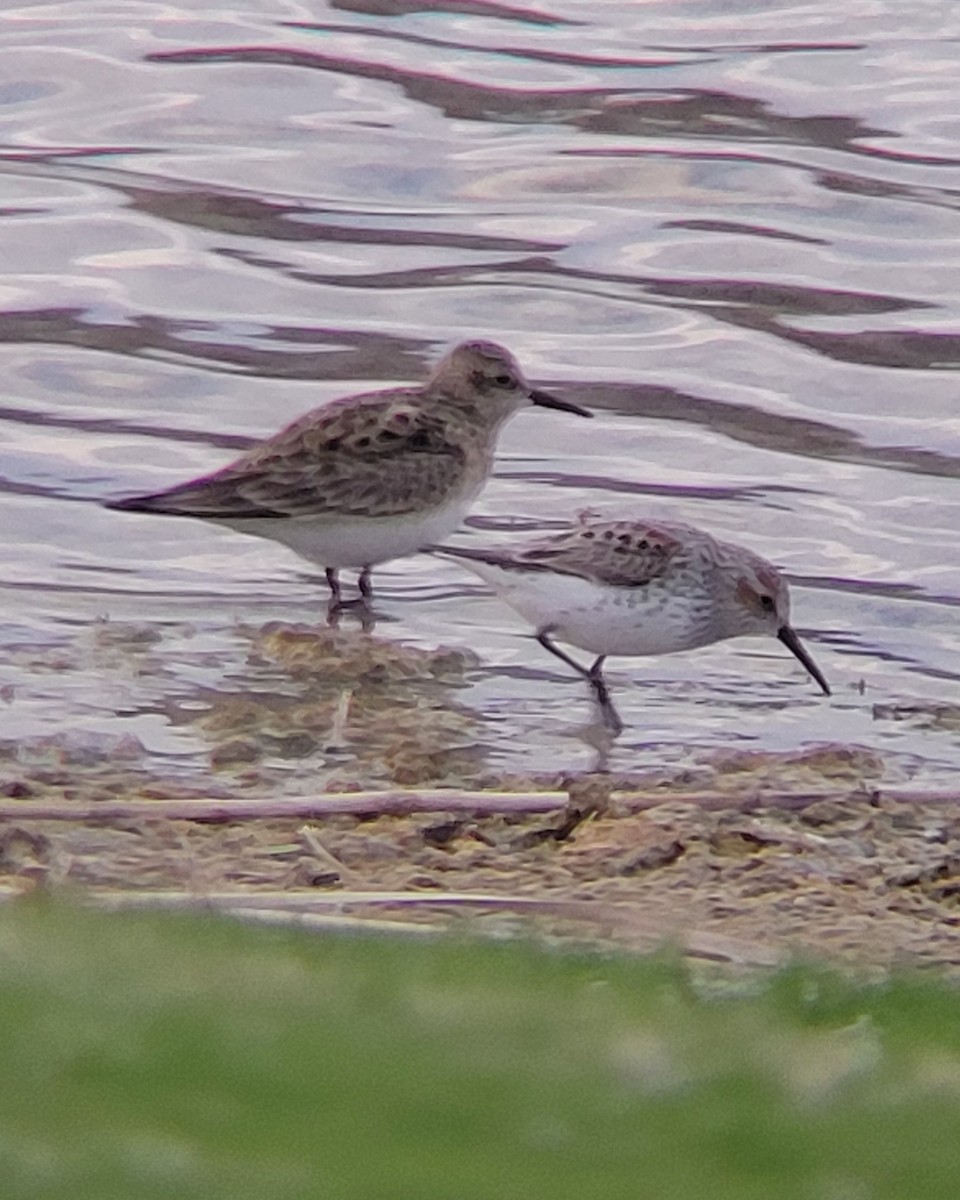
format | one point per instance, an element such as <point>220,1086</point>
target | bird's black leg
<point>333,583</point>
<point>611,718</point>
<point>360,606</point>
<point>593,675</point>
<point>543,637</point>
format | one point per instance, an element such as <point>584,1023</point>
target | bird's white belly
<point>604,620</point>
<point>357,541</point>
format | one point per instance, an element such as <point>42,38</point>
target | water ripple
<point>732,234</point>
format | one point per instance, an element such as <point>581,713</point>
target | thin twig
<point>332,922</point>
<point>403,803</point>
<point>379,803</point>
<point>338,900</point>
<point>386,803</point>
<point>312,842</point>
<point>326,911</point>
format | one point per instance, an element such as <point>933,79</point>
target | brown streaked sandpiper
<point>636,587</point>
<point>370,477</point>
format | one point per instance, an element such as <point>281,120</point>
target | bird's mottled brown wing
<point>620,553</point>
<point>370,457</point>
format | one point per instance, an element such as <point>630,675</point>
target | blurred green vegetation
<point>149,1055</point>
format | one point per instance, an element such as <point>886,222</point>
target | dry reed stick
<point>403,803</point>
<point>325,911</point>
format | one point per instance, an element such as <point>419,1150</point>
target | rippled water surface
<point>732,230</point>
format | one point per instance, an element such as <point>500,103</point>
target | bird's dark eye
<point>504,380</point>
<point>767,604</point>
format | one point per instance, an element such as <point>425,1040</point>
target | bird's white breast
<point>600,618</point>
<point>349,541</point>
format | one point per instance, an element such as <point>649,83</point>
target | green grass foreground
<point>165,1056</point>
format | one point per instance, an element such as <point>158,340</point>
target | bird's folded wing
<point>366,461</point>
<point>619,553</point>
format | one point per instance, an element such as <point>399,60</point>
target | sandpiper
<point>369,477</point>
<point>637,587</point>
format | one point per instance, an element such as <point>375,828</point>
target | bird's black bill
<point>132,504</point>
<point>788,636</point>
<point>545,400</point>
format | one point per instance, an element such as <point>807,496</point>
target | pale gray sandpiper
<point>370,477</point>
<point>637,587</point>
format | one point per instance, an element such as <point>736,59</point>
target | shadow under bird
<point>370,477</point>
<point>637,587</point>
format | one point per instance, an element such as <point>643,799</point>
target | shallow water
<point>735,234</point>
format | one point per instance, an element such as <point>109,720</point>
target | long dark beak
<point>545,400</point>
<point>788,636</point>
